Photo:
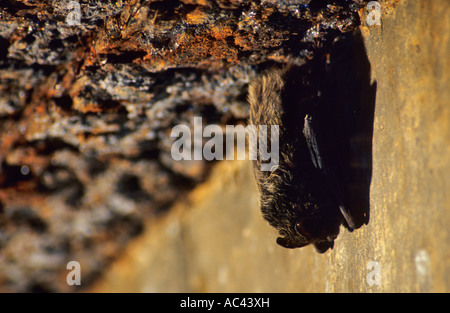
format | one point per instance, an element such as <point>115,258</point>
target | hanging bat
<point>302,198</point>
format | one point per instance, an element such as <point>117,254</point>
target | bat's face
<point>298,231</point>
<point>311,230</point>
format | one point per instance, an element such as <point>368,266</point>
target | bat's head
<point>319,231</point>
<point>298,230</point>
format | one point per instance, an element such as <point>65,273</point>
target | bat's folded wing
<point>319,158</point>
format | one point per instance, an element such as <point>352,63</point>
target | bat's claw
<point>348,218</point>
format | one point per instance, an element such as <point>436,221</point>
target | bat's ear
<point>323,246</point>
<point>290,243</point>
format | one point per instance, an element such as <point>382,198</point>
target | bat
<point>303,197</point>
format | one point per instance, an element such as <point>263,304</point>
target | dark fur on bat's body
<point>301,198</point>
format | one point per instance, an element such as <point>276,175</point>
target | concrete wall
<point>217,241</point>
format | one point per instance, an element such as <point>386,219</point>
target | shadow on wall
<point>351,97</point>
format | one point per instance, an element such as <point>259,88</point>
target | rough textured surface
<point>219,242</point>
<point>86,109</point>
